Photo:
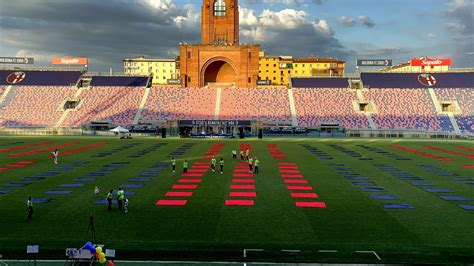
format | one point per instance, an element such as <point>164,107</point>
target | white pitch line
<point>327,251</point>
<point>370,252</point>
<point>291,250</point>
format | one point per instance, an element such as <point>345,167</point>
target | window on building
<point>250,55</point>
<point>189,54</point>
<point>267,65</point>
<point>219,8</point>
<point>274,72</point>
<point>274,78</point>
<point>274,65</point>
<point>249,80</point>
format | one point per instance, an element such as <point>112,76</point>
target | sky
<point>107,31</point>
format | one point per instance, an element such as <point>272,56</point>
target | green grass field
<point>433,231</point>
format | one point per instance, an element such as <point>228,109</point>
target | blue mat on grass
<point>5,191</point>
<point>467,207</point>
<point>58,192</point>
<point>397,206</point>
<point>438,190</point>
<point>411,178</point>
<point>455,198</point>
<point>41,200</point>
<point>131,186</point>
<point>382,197</point>
<point>127,193</point>
<point>463,179</point>
<point>423,183</point>
<point>357,178</point>
<point>32,178</point>
<point>364,184</point>
<point>373,189</point>
<point>140,180</point>
<point>71,185</point>
<point>104,201</point>
<point>16,184</point>
<point>85,179</point>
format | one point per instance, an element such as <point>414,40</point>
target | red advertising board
<point>431,62</point>
<point>69,61</point>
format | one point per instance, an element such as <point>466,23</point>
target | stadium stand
<point>316,105</point>
<point>179,104</point>
<point>320,82</point>
<point>268,105</point>
<point>465,99</point>
<point>405,109</point>
<point>35,106</point>
<point>119,81</point>
<point>115,104</point>
<point>410,80</point>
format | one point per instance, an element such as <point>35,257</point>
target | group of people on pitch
<point>254,163</point>
<point>122,201</point>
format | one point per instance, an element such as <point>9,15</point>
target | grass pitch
<point>350,227</point>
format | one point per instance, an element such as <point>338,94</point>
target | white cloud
<point>347,21</point>
<point>366,21</point>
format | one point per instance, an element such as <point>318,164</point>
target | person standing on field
<point>55,156</point>
<point>221,163</point>
<point>242,155</point>
<point>173,164</point>
<point>247,153</point>
<point>185,166</point>
<point>109,199</point>
<point>234,154</point>
<point>29,209</point>
<point>213,164</point>
<point>256,165</point>
<point>120,198</point>
<point>250,165</point>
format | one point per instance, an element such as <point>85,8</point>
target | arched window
<point>219,8</point>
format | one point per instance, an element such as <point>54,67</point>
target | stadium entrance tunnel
<point>219,72</point>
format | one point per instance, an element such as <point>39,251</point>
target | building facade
<point>163,70</point>
<point>278,70</point>
<point>219,60</point>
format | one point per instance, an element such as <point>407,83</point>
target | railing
<point>400,133</point>
<point>36,68</point>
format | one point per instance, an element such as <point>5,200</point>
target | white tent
<point>120,129</point>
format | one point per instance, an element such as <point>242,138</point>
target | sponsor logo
<point>69,61</point>
<point>16,77</point>
<point>431,62</point>
<point>427,79</point>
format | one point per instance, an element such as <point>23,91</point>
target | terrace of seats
<point>116,104</point>
<point>316,105</point>
<point>465,99</point>
<point>268,105</point>
<point>35,106</point>
<point>179,104</point>
<point>406,109</point>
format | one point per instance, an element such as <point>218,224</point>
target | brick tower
<point>219,61</point>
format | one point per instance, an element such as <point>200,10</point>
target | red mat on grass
<point>286,163</point>
<point>239,202</point>
<point>27,162</point>
<point>300,187</point>
<point>3,169</point>
<point>292,175</point>
<point>243,180</point>
<point>310,204</point>
<point>25,146</point>
<point>197,170</point>
<point>242,175</point>
<point>469,166</point>
<point>178,194</point>
<point>205,163</point>
<point>171,202</point>
<point>192,175</point>
<point>189,181</point>
<point>184,186</point>
<point>16,165</point>
<point>242,170</point>
<point>304,195</point>
<point>290,171</point>
<point>201,166</point>
<point>242,187</point>
<point>288,167</point>
<point>242,194</point>
<point>296,181</point>
<point>208,156</point>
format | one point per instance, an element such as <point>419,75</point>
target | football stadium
<point>235,157</point>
